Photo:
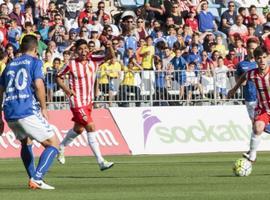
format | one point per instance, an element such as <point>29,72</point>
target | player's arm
<point>240,81</point>
<point>41,96</point>
<point>60,81</point>
<point>64,87</point>
<point>237,79</point>
<point>239,71</point>
<point>1,103</point>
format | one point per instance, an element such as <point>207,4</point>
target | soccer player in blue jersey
<point>249,89</point>
<point>250,93</point>
<point>22,93</point>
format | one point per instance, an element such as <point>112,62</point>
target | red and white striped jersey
<point>241,53</point>
<point>262,84</point>
<point>81,81</point>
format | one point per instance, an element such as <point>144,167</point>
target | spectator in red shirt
<point>3,33</point>
<point>230,60</point>
<point>87,13</point>
<point>192,21</point>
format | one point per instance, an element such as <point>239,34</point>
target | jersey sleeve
<point>248,74</point>
<point>37,70</point>
<point>238,71</point>
<point>63,71</point>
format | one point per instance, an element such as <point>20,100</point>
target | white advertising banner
<point>168,130</point>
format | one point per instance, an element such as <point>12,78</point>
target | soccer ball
<point>242,167</point>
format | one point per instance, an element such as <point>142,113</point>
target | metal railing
<point>155,88</point>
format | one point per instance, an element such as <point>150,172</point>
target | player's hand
<point>230,93</point>
<point>70,93</point>
<point>44,113</point>
<point>1,126</point>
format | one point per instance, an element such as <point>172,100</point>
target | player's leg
<point>72,133</point>
<point>255,140</point>
<point>27,156</point>
<point>37,127</point>
<point>26,153</point>
<point>45,161</point>
<point>47,157</point>
<point>250,106</point>
<point>70,136</point>
<point>94,145</point>
<point>258,127</point>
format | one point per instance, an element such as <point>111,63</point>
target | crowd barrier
<point>156,88</point>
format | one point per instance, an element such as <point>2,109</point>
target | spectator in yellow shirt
<point>3,61</point>
<point>48,62</point>
<point>147,53</point>
<point>130,83</point>
<point>220,46</point>
<point>109,73</point>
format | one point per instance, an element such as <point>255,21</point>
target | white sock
<point>68,139</point>
<point>94,145</point>
<point>254,143</point>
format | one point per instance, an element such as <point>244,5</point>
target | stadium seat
<point>130,4</point>
<point>248,3</point>
<point>213,5</point>
<point>215,13</point>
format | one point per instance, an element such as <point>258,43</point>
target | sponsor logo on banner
<point>149,122</point>
<point>165,130</point>
<point>107,134</point>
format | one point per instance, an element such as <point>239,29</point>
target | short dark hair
<point>252,40</point>
<point>66,52</point>
<point>251,7</point>
<point>3,54</point>
<point>241,9</point>
<point>149,37</point>
<point>28,24</point>
<point>56,59</point>
<point>259,51</point>
<point>80,42</point>
<point>29,43</point>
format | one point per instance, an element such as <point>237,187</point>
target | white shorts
<point>251,108</point>
<point>34,126</point>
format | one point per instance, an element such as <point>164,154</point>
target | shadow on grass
<point>116,177</point>
<point>227,175</point>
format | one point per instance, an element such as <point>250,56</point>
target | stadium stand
<point>149,31</point>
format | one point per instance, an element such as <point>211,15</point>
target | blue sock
<point>28,159</point>
<point>45,161</point>
<point>267,128</point>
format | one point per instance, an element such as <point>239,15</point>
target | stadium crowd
<point>163,42</point>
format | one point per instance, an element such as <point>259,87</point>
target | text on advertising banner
<point>169,130</point>
<point>108,136</point>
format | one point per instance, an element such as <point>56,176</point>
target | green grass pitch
<point>166,177</point>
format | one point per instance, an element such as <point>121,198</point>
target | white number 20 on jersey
<point>14,78</point>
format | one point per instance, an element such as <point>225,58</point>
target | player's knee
<point>50,142</point>
<point>78,130</point>
<point>26,141</point>
<point>90,127</point>
<point>259,128</point>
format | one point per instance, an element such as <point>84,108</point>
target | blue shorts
<point>222,91</point>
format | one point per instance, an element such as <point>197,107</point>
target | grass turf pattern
<point>166,177</point>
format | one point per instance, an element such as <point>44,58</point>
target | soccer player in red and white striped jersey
<point>261,78</point>
<point>80,90</point>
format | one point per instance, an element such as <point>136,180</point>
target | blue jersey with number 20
<point>18,81</point>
